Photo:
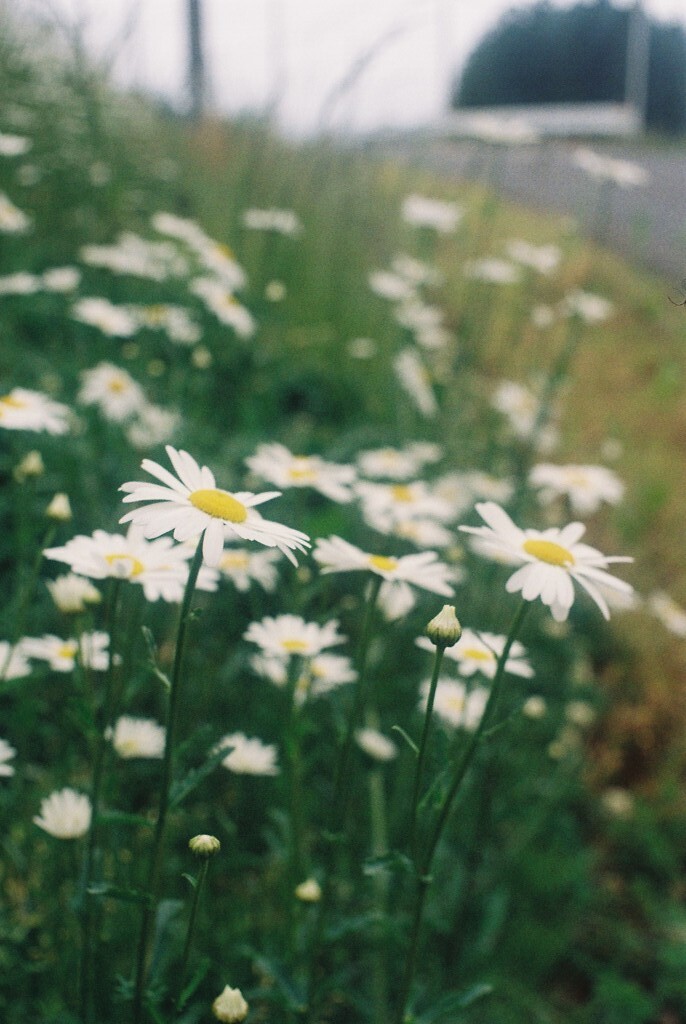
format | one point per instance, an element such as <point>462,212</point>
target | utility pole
<point>196,60</point>
<point>637,61</point>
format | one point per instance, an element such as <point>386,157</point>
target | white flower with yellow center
<point>243,566</point>
<point>138,737</point>
<point>159,566</point>
<point>91,650</point>
<point>23,409</point>
<point>286,636</point>
<point>6,754</point>
<point>551,561</point>
<point>413,500</point>
<point>113,390</point>
<point>454,704</point>
<point>65,814</point>
<point>543,258</point>
<point>422,570</point>
<point>586,487</point>
<point>319,675</point>
<point>276,464</point>
<point>191,504</point>
<point>249,756</point>
<point>223,303</point>
<point>397,463</point>
<point>479,652</point>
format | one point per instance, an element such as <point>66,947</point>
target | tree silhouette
<point>542,54</point>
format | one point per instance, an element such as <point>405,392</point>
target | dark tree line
<point>543,54</point>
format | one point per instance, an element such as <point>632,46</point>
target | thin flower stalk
<point>190,933</point>
<point>165,785</point>
<point>421,756</point>
<point>25,591</point>
<point>103,719</point>
<point>462,767</point>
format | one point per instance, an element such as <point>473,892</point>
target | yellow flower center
<point>11,402</point>
<point>455,704</point>
<point>219,505</point>
<point>223,250</point>
<point>155,314</point>
<point>477,655</point>
<point>301,470</point>
<point>401,492</point>
<point>550,552</point>
<point>383,563</point>
<point>116,385</point>
<point>294,646</point>
<point>67,650</point>
<point>127,748</point>
<point>124,565</point>
<point>234,560</point>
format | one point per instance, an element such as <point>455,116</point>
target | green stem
<point>103,720</point>
<point>25,590</point>
<point>199,882</point>
<point>165,785</point>
<point>424,879</point>
<point>421,757</point>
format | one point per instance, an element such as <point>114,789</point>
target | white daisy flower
<point>543,258</point>
<point>61,279</point>
<point>65,814</point>
<point>395,463</point>
<point>249,756</point>
<point>20,283</point>
<point>113,390</point>
<point>22,409</point>
<point>13,661</point>
<point>138,737</point>
<point>284,222</point>
<point>375,744</point>
<point>6,754</point>
<point>276,464</point>
<point>412,500</point>
<point>479,652</point>
<point>190,504</point>
<point>414,378</point>
<point>550,561</point>
<point>671,615</point>
<point>14,145</point>
<point>320,674</point>
<point>115,321</point>
<point>159,566</point>
<point>416,271</point>
<point>493,271</point>
<point>286,635</point>
<point>624,173</point>
<point>390,286</point>
<point>12,219</point>
<point>454,704</point>
<point>421,211</point>
<point>423,533</point>
<point>91,649</point>
<point>243,566</point>
<point>586,487</point>
<point>593,309</point>
<point>225,306</point>
<point>72,594</point>
<point>422,570</point>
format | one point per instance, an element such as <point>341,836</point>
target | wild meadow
<point>341,644</point>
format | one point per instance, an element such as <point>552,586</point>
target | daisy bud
<point>309,891</point>
<point>205,846</point>
<point>59,508</point>
<point>31,465</point>
<point>444,630</point>
<point>230,1007</point>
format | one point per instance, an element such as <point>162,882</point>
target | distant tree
<point>543,54</point>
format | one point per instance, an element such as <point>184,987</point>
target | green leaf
<point>293,994</point>
<point>446,1007</point>
<point>122,818</point>
<point>198,977</point>
<point>408,739</point>
<point>394,861</point>
<point>182,787</point>
<point>152,659</point>
<point>193,882</point>
<point>116,892</point>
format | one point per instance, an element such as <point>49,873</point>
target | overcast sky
<point>293,54</point>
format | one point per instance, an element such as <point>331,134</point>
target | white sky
<point>293,53</point>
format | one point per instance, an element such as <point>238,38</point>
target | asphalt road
<point>646,223</point>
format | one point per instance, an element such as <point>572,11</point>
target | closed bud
<point>444,630</point>
<point>59,509</point>
<point>204,846</point>
<point>30,465</point>
<point>230,1007</point>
